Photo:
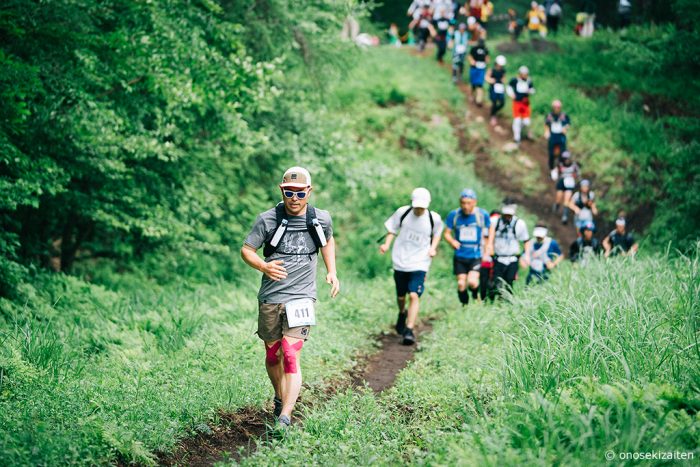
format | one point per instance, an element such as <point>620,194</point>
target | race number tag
<point>535,20</point>
<point>569,183</point>
<point>300,313</point>
<point>537,265</point>
<point>522,87</point>
<point>461,48</point>
<point>499,88</point>
<point>443,25</point>
<point>481,65</point>
<point>556,127</point>
<point>467,234</point>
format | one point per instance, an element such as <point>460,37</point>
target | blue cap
<point>588,226</point>
<point>468,193</point>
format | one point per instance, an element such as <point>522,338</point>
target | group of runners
<point>488,249</point>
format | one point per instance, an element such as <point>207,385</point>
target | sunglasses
<point>290,194</point>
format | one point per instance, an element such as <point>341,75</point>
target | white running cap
<point>471,21</point>
<point>539,232</point>
<point>501,60</point>
<point>420,198</point>
<point>509,209</point>
<point>523,70</point>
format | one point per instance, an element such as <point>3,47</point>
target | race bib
<point>443,25</point>
<point>535,20</point>
<point>522,87</point>
<point>556,127</point>
<point>499,88</point>
<point>461,48</point>
<point>481,65</point>
<point>414,237</point>
<point>537,264</point>
<point>569,183</point>
<point>300,313</point>
<point>467,234</point>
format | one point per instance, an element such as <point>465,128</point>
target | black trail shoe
<point>408,337</point>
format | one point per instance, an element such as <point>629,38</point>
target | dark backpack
<point>313,226</point>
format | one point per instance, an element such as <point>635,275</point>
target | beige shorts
<point>272,323</point>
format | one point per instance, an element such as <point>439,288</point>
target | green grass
<point>545,378</point>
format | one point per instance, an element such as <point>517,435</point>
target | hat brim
<point>420,203</point>
<point>508,212</point>
<point>293,185</point>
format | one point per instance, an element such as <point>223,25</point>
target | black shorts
<point>465,266</point>
<point>409,281</point>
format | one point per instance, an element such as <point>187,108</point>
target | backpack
<point>478,214</point>
<point>512,224</point>
<point>313,226</point>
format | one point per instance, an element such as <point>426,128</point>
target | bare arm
<point>328,253</point>
<point>274,269</point>
<point>606,246</point>
<point>384,247</point>
<point>450,239</point>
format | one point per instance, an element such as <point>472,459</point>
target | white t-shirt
<point>412,244</point>
<point>508,238</point>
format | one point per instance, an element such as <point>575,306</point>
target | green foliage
<point>129,127</point>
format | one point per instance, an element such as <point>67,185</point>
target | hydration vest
<point>313,227</point>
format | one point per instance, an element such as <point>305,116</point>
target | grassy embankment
<point>113,365</point>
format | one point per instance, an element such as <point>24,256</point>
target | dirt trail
<point>237,434</point>
<point>538,199</point>
<point>381,369</point>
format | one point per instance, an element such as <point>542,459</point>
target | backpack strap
<point>315,228</point>
<point>281,222</point>
<point>404,215</point>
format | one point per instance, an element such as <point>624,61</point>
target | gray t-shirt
<point>296,249</point>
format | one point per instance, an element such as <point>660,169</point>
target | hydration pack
<point>313,226</point>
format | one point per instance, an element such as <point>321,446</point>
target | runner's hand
<point>455,244</point>
<point>524,261</point>
<point>332,279</point>
<point>274,270</point>
<point>432,252</point>
<point>383,248</point>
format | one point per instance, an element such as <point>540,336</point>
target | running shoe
<point>408,337</point>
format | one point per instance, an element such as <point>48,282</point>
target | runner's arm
<point>328,253</point>
<point>274,269</point>
<point>450,239</point>
<point>384,247</point>
<point>607,246</point>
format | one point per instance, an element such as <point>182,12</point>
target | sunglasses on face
<point>290,194</point>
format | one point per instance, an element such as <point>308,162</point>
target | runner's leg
<point>273,365</point>
<point>291,353</point>
<point>413,306</point>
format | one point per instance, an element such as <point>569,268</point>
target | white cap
<point>501,60</point>
<point>509,209</point>
<point>620,221</point>
<point>539,232</point>
<point>296,177</point>
<point>523,70</point>
<point>420,198</point>
<point>471,21</point>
